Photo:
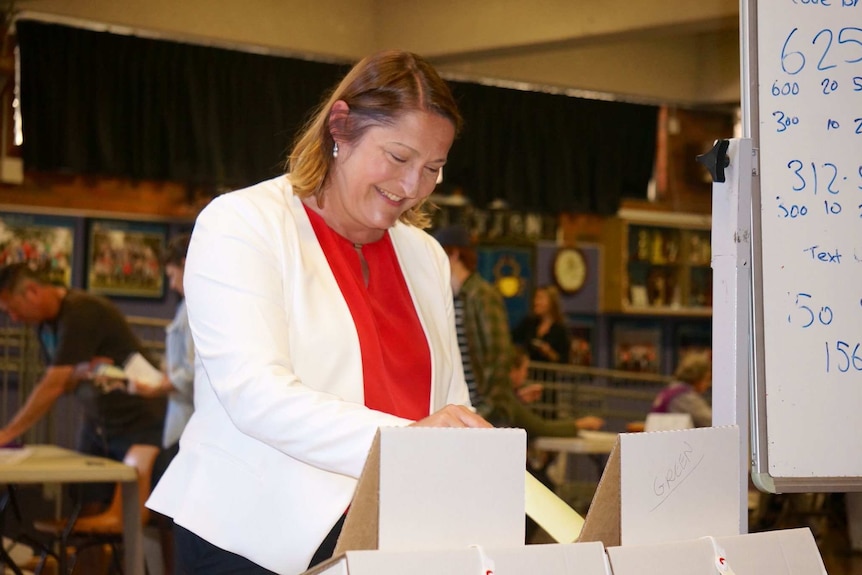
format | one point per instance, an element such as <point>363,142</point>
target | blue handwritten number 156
<point>853,360</point>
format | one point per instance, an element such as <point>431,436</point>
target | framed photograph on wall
<point>124,258</point>
<point>637,346</point>
<point>583,333</point>
<point>47,242</point>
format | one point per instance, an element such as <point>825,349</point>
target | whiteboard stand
<point>731,269</point>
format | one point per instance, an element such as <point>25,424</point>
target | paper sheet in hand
<point>679,484</point>
<point>109,371</point>
<point>141,371</point>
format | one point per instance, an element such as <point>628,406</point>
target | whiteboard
<point>803,77</point>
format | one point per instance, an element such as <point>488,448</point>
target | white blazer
<point>279,435</point>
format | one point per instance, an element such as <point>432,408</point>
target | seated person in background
<point>692,378</point>
<point>510,411</point>
<point>76,328</point>
<point>543,333</point>
<point>526,392</point>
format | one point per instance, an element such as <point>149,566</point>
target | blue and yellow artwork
<point>510,270</point>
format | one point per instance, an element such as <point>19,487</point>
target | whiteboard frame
<point>760,475</point>
<point>731,308</point>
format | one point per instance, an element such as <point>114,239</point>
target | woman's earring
<point>335,150</point>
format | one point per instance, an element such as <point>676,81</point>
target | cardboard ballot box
<point>452,501</point>
<point>439,488</point>
<point>784,552</point>
<point>667,485</point>
<point>580,558</point>
<point>438,500</point>
<point>668,503</point>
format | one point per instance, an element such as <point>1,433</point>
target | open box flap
<point>603,516</point>
<point>667,485</point>
<point>439,488</point>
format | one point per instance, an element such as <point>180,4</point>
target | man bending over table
<point>76,331</point>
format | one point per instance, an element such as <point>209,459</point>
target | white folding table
<point>42,464</point>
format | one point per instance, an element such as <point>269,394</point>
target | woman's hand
<point>590,422</point>
<point>164,387</point>
<point>452,416</point>
<point>530,393</point>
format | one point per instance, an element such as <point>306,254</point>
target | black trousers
<point>197,556</point>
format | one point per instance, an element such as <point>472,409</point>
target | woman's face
<point>541,303</point>
<point>389,170</point>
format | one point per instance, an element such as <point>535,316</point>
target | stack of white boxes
<point>452,501</point>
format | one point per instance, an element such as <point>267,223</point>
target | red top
<point>396,361</point>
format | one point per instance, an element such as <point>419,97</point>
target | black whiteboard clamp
<point>716,160</point>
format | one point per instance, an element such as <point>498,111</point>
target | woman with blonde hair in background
<point>543,333</point>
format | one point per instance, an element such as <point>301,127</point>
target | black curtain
<point>551,153</point>
<point>106,104</point>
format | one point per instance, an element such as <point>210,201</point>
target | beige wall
<point>646,50</point>
<point>456,27</point>
<point>326,28</point>
<point>659,70</point>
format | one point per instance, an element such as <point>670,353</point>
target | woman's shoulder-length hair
<point>377,90</point>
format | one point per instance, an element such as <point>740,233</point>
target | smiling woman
<point>329,260</point>
<point>359,103</point>
<point>378,178</point>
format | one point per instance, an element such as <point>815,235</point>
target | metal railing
<point>620,397</point>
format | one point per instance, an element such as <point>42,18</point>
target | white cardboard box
<point>451,501</point>
<point>665,486</point>
<point>698,468</point>
<point>555,559</point>
<point>409,514</point>
<point>439,488</point>
<point>785,552</point>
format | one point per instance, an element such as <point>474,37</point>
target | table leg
<point>133,539</point>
